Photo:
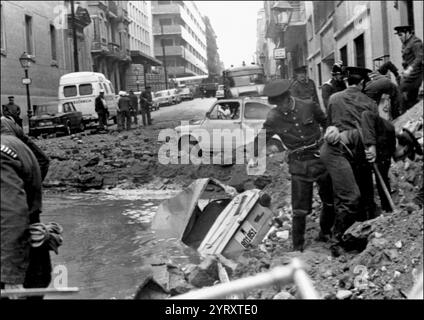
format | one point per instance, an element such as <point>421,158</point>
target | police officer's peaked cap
<point>357,71</point>
<point>276,88</point>
<point>301,69</point>
<point>399,29</point>
<point>11,97</point>
<point>337,69</point>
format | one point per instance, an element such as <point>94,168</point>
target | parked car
<point>186,94</point>
<point>246,112</point>
<point>55,117</point>
<point>162,97</point>
<point>175,94</point>
<point>220,93</point>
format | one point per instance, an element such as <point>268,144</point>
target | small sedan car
<point>55,117</point>
<point>186,94</point>
<point>245,113</point>
<point>163,98</point>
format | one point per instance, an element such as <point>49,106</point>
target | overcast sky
<point>234,23</point>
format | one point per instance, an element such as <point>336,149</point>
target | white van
<point>82,88</point>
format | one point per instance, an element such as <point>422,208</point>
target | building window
<point>28,35</point>
<point>164,2</point>
<point>53,42</point>
<point>3,31</point>
<point>319,74</point>
<point>360,51</point>
<point>343,55</point>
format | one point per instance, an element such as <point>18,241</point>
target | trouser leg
<point>100,119</point>
<point>119,118</point>
<point>345,190</point>
<point>149,119</point>
<point>364,180</point>
<point>128,120</point>
<point>301,206</point>
<point>143,115</point>
<point>325,191</point>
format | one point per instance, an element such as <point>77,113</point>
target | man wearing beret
<point>297,122</point>
<point>351,178</point>
<point>303,87</point>
<point>335,84</point>
<point>412,62</point>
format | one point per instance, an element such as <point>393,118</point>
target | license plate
<point>46,123</point>
<point>246,234</point>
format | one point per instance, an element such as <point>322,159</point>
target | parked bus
<point>244,81</point>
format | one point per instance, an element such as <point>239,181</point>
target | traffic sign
<point>26,80</point>
<point>279,53</point>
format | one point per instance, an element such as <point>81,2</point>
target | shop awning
<point>139,57</point>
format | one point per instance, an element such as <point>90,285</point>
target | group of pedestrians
<point>129,107</point>
<point>341,145</point>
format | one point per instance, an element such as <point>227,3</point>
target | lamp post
<point>282,12</point>
<point>262,59</point>
<point>137,81</point>
<point>164,57</point>
<point>25,61</point>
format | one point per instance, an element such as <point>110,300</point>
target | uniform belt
<point>304,153</point>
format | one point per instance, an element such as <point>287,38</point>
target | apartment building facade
<point>42,29</point>
<point>180,38</point>
<point>108,38</point>
<point>358,33</point>
<point>140,73</point>
<point>291,38</point>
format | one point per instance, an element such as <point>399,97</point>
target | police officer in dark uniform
<point>303,87</point>
<point>335,84</point>
<point>297,122</point>
<point>22,266</point>
<point>13,110</point>
<point>412,62</point>
<point>145,103</point>
<point>351,178</point>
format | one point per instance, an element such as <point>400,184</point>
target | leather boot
<point>298,232</point>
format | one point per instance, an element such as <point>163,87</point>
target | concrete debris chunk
<point>398,244</point>
<point>343,294</point>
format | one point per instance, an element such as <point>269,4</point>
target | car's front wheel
<point>82,127</point>
<point>68,129</point>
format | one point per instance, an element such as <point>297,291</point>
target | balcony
<point>167,29</point>
<point>166,9</point>
<point>170,51</point>
<point>112,9</point>
<point>99,47</point>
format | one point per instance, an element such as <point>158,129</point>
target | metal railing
<point>283,275</point>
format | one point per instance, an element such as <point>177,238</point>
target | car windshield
<point>220,87</point>
<point>159,94</point>
<point>247,80</point>
<point>47,109</point>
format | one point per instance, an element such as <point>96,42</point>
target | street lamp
<point>137,81</point>
<point>282,12</point>
<point>26,61</point>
